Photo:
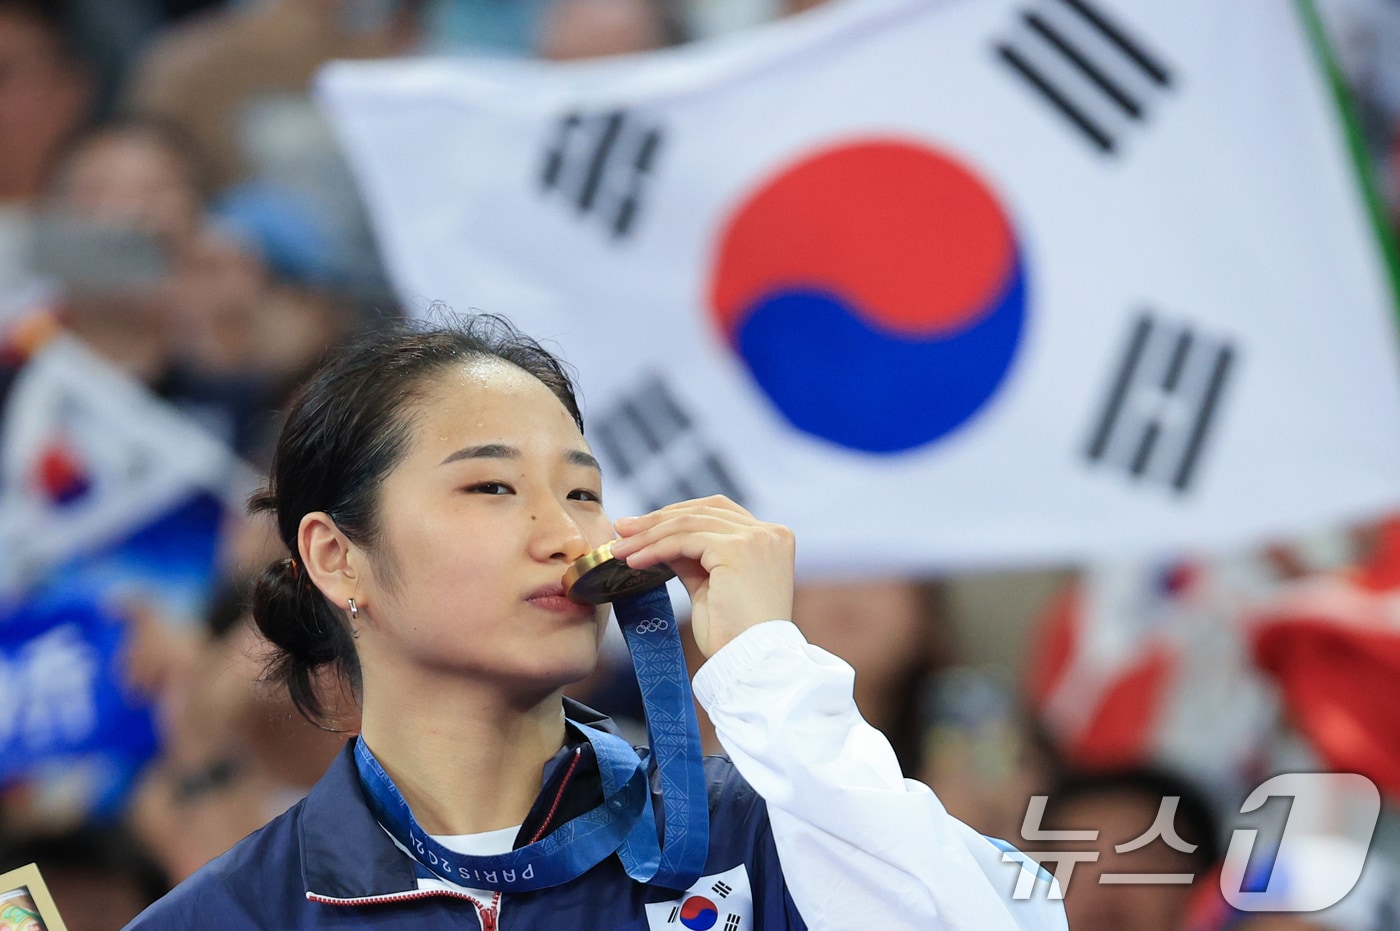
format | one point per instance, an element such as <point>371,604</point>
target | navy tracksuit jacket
<point>326,863</point>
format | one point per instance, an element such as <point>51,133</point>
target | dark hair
<point>345,431</point>
<point>1196,821</point>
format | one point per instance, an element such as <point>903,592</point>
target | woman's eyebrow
<point>487,451</point>
<point>580,458</point>
<point>501,451</point>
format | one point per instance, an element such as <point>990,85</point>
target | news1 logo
<point>1243,883</point>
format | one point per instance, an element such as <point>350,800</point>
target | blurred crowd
<point>170,196</point>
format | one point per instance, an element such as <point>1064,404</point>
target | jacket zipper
<point>487,914</point>
<point>559,795</point>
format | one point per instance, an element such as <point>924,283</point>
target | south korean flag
<point>722,901</point>
<point>1119,295</point>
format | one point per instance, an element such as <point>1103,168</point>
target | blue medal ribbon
<point>649,626</point>
<point>624,823</point>
<point>565,853</point>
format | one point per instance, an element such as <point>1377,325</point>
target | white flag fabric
<point>941,285</point>
<point>1137,665</point>
<point>88,456</point>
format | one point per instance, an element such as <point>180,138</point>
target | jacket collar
<point>348,858</point>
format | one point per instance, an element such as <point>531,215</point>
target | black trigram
<point>601,164</point>
<point>1163,401</point>
<point>675,913</point>
<point>731,923</point>
<point>649,441</point>
<point>1086,67</point>
<point>722,889</point>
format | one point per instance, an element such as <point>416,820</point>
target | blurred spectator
<point>99,877</point>
<point>981,755</point>
<point>146,282</point>
<point>46,92</point>
<point>142,174</point>
<point>493,27</point>
<point>220,317</point>
<point>577,29</point>
<point>206,73</point>
<point>119,209</point>
<point>237,80</point>
<point>234,752</point>
<point>310,300</point>
<point>1144,822</point>
<point>891,631</point>
<point>893,634</point>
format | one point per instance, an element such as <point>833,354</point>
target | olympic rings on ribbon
<point>652,625</point>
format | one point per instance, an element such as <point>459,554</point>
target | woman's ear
<point>332,561</point>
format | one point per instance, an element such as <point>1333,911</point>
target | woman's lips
<point>552,598</point>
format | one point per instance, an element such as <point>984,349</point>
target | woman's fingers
<point>678,532</point>
<point>737,568</point>
<point>717,505</point>
<point>713,502</point>
<point>673,545</point>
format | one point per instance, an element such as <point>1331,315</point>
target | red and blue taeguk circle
<point>699,913</point>
<point>876,292</point>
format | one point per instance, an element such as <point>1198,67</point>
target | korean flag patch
<point>722,902</point>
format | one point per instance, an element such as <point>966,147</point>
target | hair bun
<point>295,617</point>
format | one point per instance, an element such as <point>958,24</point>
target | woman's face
<point>498,494</point>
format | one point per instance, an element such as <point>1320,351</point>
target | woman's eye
<point>585,494</point>
<point>490,488</point>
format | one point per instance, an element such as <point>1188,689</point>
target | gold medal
<point>598,576</point>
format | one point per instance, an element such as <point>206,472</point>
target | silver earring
<point>354,611</point>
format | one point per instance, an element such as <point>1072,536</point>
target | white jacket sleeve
<point>861,846</point>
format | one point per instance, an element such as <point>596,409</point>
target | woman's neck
<point>466,759</point>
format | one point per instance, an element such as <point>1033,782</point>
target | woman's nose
<point>560,536</point>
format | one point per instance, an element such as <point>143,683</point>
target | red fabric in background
<point>1335,655</point>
